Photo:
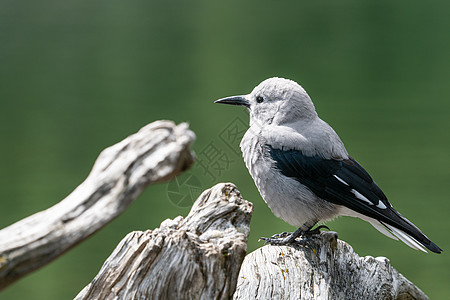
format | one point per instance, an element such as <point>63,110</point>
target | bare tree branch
<point>158,152</point>
<point>198,257</point>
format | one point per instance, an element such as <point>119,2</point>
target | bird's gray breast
<point>286,197</point>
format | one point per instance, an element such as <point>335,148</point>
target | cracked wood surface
<point>323,268</point>
<point>197,257</point>
<point>158,152</point>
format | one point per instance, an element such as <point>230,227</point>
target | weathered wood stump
<point>323,267</point>
<point>198,257</point>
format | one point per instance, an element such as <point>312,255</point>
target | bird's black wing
<point>344,182</point>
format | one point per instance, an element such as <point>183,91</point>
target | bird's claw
<point>280,235</point>
<point>284,241</point>
<point>276,241</point>
<point>315,230</point>
<point>286,238</point>
<point>279,239</point>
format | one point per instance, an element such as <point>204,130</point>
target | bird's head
<point>275,101</point>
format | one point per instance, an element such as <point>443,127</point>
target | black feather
<point>317,174</point>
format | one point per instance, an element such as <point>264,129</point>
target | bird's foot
<point>281,235</point>
<point>315,230</point>
<point>286,238</point>
<point>282,241</point>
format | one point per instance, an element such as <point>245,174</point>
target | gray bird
<point>303,171</point>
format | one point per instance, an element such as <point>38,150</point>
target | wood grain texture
<point>322,268</point>
<point>158,152</point>
<point>197,257</point>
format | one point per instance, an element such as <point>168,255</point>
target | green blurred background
<point>78,76</point>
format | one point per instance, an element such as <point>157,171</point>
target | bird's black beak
<point>234,100</point>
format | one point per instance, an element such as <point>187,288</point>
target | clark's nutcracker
<point>303,171</point>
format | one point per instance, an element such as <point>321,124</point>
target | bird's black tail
<point>408,233</point>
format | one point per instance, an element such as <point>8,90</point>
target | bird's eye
<point>259,99</point>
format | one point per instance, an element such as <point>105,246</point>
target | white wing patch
<point>381,205</point>
<point>361,197</point>
<point>342,181</point>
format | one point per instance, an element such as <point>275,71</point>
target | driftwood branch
<point>158,152</point>
<point>322,268</point>
<point>198,257</point>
